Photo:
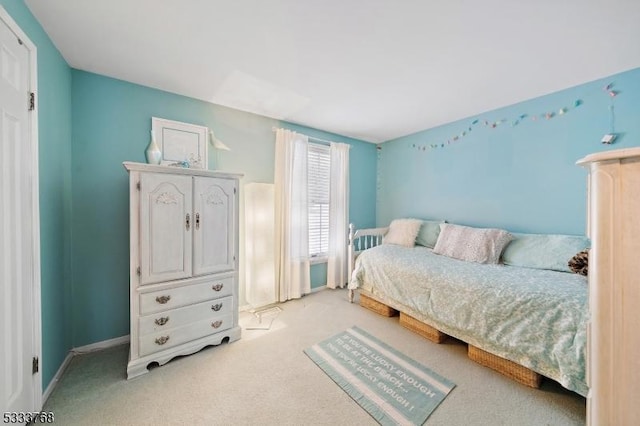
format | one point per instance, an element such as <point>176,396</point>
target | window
<point>318,181</point>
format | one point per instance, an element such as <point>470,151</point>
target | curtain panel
<point>293,276</point>
<point>337,270</point>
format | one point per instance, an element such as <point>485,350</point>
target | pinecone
<point>580,263</point>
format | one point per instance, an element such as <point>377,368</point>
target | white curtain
<point>293,277</point>
<point>337,275</point>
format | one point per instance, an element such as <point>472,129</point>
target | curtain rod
<point>324,141</point>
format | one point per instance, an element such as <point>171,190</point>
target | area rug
<point>391,387</point>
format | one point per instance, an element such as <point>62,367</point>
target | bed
<point>533,318</point>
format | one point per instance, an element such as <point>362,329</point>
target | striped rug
<point>393,388</point>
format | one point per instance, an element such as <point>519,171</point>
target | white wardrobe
<point>183,262</point>
<point>613,354</point>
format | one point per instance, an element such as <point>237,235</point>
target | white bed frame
<point>359,241</point>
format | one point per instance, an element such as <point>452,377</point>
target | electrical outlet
<point>608,138</point>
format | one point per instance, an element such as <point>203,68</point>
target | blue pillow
<point>544,251</point>
<point>428,234</point>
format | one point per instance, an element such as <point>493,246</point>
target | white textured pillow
<point>402,232</point>
<point>481,245</point>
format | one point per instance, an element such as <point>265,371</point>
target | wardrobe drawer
<point>163,300</point>
<point>175,336</point>
<point>182,316</point>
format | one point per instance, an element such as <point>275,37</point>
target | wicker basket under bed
<point>509,368</point>
<point>377,307</point>
<point>421,328</point>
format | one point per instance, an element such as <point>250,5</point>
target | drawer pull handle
<point>162,340</point>
<point>216,324</point>
<point>217,287</point>
<point>163,299</point>
<point>162,320</point>
<point>188,221</point>
<point>216,307</point>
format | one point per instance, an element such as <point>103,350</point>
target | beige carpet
<point>266,379</point>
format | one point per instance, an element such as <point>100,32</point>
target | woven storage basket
<point>421,328</point>
<point>377,307</point>
<point>509,368</point>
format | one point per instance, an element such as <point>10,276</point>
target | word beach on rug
<point>392,388</point>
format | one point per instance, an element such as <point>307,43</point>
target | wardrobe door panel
<point>214,229</point>
<point>165,227</point>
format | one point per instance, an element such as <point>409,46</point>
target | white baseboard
<point>98,346</point>
<point>54,381</point>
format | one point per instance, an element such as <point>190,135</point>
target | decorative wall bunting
<point>514,122</point>
<point>378,170</point>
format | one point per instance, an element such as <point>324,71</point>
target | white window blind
<point>318,181</point>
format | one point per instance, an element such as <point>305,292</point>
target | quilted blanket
<point>536,318</point>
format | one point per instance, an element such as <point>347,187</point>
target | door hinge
<point>138,185</point>
<point>35,365</point>
<point>138,271</point>
<point>234,190</point>
<point>32,101</point>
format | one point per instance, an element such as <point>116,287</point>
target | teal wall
<point>54,145</point>
<point>111,123</point>
<point>519,177</point>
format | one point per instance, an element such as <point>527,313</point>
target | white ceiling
<point>369,69</point>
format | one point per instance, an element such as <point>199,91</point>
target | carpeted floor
<point>266,379</point>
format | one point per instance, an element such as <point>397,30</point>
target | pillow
<point>580,263</point>
<point>481,245</point>
<point>428,234</point>
<point>544,251</point>
<point>402,232</point>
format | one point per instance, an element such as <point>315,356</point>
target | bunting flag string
<point>548,115</point>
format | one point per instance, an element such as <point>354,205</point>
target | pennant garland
<point>378,170</point>
<point>516,121</point>
<point>611,93</point>
<point>608,89</point>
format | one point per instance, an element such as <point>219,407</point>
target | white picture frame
<point>180,142</point>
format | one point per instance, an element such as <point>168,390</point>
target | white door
<point>166,224</point>
<point>18,277</point>
<point>214,231</point>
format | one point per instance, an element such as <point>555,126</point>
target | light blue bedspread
<point>536,318</point>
